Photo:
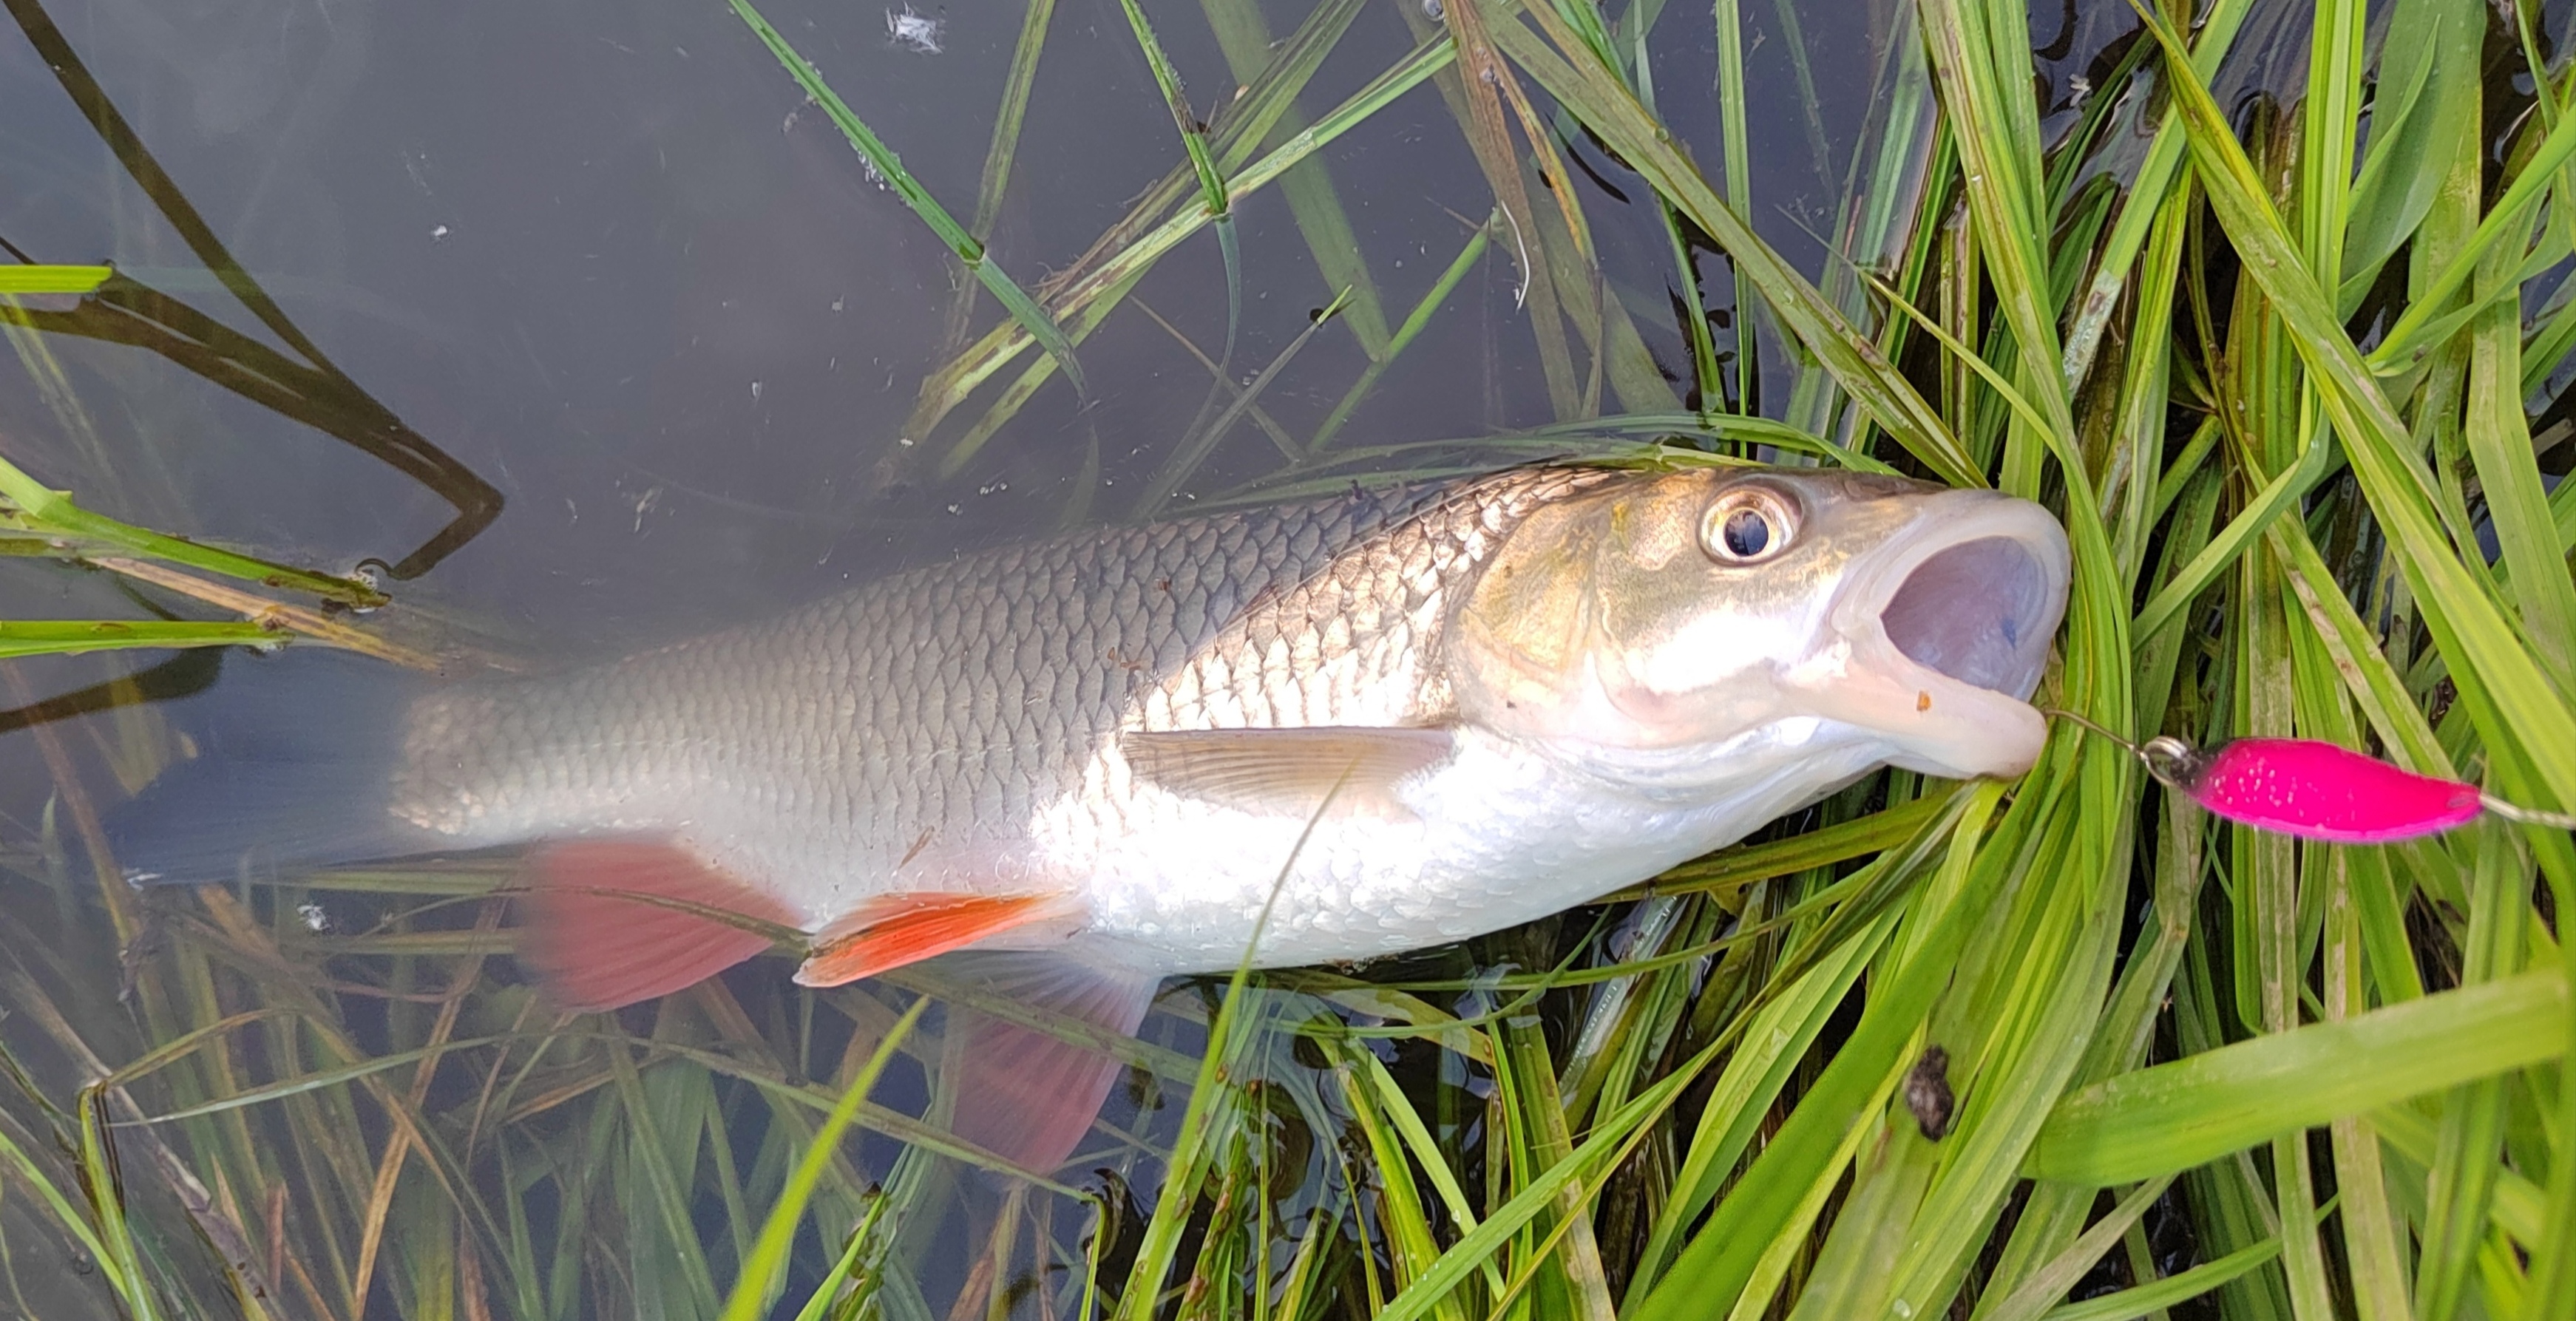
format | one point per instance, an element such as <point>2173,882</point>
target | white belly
<point>1499,835</point>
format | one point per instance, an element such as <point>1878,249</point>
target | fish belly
<point>1495,837</point>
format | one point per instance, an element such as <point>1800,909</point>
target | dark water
<point>602,256</point>
<point>604,260</point>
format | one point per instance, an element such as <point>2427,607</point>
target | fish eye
<point>1747,526</point>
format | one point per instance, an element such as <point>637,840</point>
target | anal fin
<point>607,923</point>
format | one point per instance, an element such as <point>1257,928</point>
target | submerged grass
<point>2058,1049</point>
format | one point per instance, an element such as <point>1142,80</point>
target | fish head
<point>1688,620</point>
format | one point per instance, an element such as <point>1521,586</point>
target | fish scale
<point>951,700</point>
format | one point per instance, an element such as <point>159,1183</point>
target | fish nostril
<point>1977,613</point>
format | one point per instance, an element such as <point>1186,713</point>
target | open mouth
<point>1980,612</point>
<point>1944,635</point>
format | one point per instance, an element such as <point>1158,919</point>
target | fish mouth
<point>1943,633</point>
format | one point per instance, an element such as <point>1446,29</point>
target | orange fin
<point>1344,770</point>
<point>1024,1093</point>
<point>596,939</point>
<point>892,930</point>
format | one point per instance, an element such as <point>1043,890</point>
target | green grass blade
<point>1611,110</point>
<point>2154,183</point>
<point>1712,1270</point>
<point>1976,49</point>
<point>2278,496</point>
<point>27,505</point>
<point>1013,115</point>
<point>52,279</point>
<point>367,1066</point>
<point>1089,298</point>
<point>1776,1039</point>
<point>845,1270</point>
<point>2194,1110</point>
<point>1313,201</point>
<point>2059,1277</point>
<point>2463,1174</point>
<point>2424,106</point>
<point>1743,864</point>
<point>106,1187</point>
<point>1230,250</point>
<point>2495,666</point>
<point>1195,450</point>
<point>1193,137</point>
<point>48,637</point>
<point>2421,325</point>
<point>1404,335</point>
<point>2148,1299</point>
<point>1211,1109</point>
<point>1695,316</point>
<point>1212,190</point>
<point>1221,385</point>
<point>1610,1141</point>
<point>764,1271</point>
<point>2329,118</point>
<point>1572,1264</point>
<point>1477,100</point>
<point>1002,151</point>
<point>1033,319</point>
<point>1389,1124</point>
<point>2374,1237</point>
<point>2498,435</point>
<point>1735,154</point>
<point>661,1155</point>
<point>33,1176</point>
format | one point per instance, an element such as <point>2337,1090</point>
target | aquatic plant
<point>2063,1049</point>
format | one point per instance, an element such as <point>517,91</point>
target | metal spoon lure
<point>2317,790</point>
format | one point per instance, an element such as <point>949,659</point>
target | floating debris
<point>916,32</point>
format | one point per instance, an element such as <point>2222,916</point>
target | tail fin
<point>293,769</point>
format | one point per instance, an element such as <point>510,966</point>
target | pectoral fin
<point>1344,770</point>
<point>892,930</point>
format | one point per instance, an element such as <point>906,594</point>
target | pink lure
<point>2313,790</point>
<point>2296,786</point>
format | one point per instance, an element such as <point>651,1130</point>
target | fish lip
<point>1939,722</point>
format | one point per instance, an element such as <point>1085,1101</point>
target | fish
<point>1312,733</point>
